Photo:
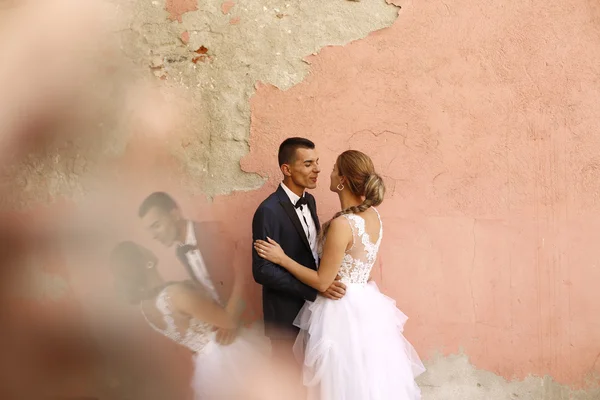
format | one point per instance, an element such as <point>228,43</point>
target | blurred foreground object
<point>57,55</point>
<point>54,54</point>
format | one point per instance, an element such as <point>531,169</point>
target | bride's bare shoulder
<point>181,291</point>
<point>340,224</point>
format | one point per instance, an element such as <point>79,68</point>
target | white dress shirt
<point>197,264</point>
<point>310,228</point>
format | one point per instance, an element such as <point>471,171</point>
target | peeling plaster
<point>479,129</point>
<point>227,6</point>
<point>176,8</point>
<point>454,377</point>
<point>481,132</point>
<point>247,43</point>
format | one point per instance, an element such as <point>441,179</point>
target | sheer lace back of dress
<point>362,254</point>
<point>197,334</point>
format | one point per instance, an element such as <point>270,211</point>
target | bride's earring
<point>340,188</point>
<point>150,265</point>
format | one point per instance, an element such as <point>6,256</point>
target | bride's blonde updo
<point>361,180</point>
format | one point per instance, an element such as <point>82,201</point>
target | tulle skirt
<point>353,348</point>
<point>223,372</point>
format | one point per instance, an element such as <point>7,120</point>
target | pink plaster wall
<point>483,118</point>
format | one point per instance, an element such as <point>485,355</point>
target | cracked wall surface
<point>213,55</point>
<point>454,377</point>
<point>218,54</point>
<point>483,121</point>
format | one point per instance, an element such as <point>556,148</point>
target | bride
<point>353,348</point>
<point>186,315</point>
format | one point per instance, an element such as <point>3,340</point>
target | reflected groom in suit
<point>203,248</point>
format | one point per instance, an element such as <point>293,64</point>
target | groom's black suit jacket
<point>218,250</point>
<point>282,294</point>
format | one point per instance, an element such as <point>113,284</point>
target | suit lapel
<point>312,206</point>
<point>205,251</point>
<point>183,258</point>
<point>290,210</point>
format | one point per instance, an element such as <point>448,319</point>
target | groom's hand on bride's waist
<point>336,291</point>
<point>225,336</point>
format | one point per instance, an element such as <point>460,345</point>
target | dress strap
<point>351,218</point>
<point>380,224</point>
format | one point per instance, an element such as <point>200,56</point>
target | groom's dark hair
<point>160,200</point>
<point>287,149</point>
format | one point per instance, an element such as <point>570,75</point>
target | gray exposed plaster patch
<point>454,378</point>
<point>67,169</point>
<point>226,54</point>
<point>69,158</point>
<point>215,56</point>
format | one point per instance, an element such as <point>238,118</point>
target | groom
<point>202,248</point>
<point>289,216</point>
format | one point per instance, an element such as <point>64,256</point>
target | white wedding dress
<point>353,348</point>
<point>220,372</point>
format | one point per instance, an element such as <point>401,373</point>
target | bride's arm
<point>235,304</point>
<point>339,237</point>
<point>187,300</point>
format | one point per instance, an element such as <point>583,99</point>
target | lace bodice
<point>360,257</point>
<point>197,334</point>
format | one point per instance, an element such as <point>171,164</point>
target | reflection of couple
<point>194,314</point>
<point>350,344</point>
<point>318,300</point>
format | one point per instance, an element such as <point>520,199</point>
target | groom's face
<point>305,169</point>
<point>162,225</point>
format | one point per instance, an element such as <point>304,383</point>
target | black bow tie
<point>302,201</point>
<point>186,248</point>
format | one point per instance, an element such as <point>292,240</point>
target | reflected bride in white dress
<point>182,313</point>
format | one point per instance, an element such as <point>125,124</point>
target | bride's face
<point>335,179</point>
